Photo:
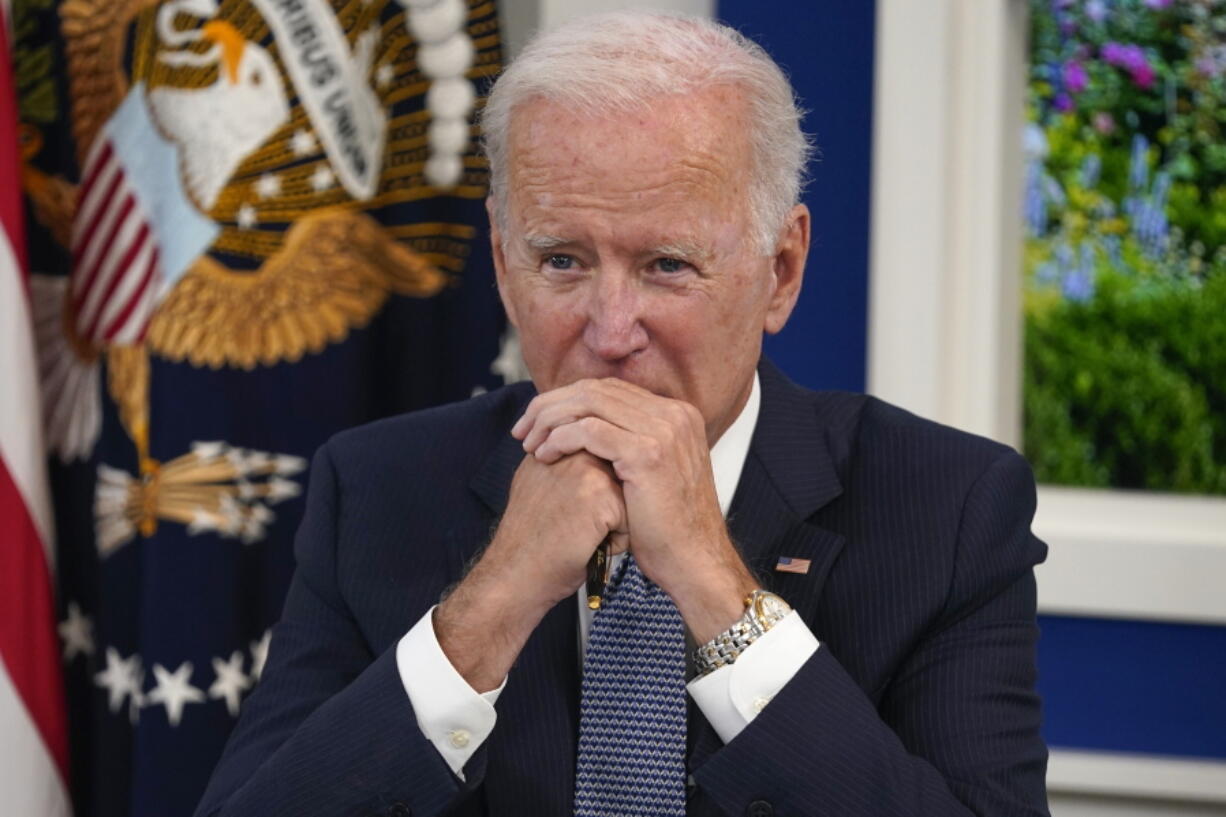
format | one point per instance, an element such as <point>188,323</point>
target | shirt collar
<point>730,450</point>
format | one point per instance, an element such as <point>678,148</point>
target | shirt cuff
<point>450,713</point>
<point>731,696</point>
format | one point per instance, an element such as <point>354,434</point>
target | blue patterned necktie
<point>633,709</point>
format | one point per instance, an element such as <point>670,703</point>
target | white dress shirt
<point>457,719</point>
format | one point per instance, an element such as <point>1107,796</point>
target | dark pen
<point>598,572</point>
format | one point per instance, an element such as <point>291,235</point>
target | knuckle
<point>653,451</point>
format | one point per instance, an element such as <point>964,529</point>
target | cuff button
<point>459,738</point>
<point>760,703</point>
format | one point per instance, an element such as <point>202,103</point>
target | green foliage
<point>1128,389</point>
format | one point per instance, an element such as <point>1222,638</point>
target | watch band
<point>763,610</point>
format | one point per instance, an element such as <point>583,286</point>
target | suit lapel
<point>788,476</point>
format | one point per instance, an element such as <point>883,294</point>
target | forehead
<point>677,149</point>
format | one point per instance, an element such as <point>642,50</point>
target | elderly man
<point>860,632</point>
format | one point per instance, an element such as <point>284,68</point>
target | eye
<point>561,262</point>
<point>670,265</point>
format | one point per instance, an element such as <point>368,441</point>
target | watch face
<point>771,607</point>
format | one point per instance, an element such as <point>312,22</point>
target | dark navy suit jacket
<point>920,700</point>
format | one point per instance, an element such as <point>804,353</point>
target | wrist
<point>483,625</point>
<point>712,605</point>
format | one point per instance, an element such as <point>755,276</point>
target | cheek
<point>548,324</point>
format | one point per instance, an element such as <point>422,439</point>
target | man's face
<point>629,251</point>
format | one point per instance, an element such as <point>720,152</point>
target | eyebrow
<point>544,243</point>
<point>682,249</point>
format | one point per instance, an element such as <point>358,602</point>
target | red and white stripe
<point>33,732</point>
<point>115,276</point>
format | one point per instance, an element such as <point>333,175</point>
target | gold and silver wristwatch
<point>763,610</point>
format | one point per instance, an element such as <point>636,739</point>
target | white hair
<point>623,61</point>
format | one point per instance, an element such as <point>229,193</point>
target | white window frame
<point>945,334</point>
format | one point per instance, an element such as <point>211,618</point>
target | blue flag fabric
<point>253,223</point>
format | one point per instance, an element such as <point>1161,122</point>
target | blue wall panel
<point>826,46</point>
<point>1133,686</point>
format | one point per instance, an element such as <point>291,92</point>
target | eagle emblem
<point>237,158</point>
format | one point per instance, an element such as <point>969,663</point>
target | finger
<point>591,434</point>
<point>619,542</point>
<point>581,395</point>
<point>636,412</point>
<point>544,399</point>
<point>560,396</point>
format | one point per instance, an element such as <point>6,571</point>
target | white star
<point>259,654</point>
<point>322,178</point>
<point>231,681</point>
<point>384,74</point>
<point>121,678</point>
<point>174,691</point>
<point>302,143</point>
<point>509,365</point>
<point>77,631</point>
<point>246,217</point>
<point>269,185</point>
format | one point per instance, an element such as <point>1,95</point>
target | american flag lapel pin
<point>790,564</point>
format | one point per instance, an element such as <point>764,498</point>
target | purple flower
<point>1063,103</point>
<point>1123,56</point>
<point>1133,60</point>
<point>1212,61</point>
<point>1158,4</point>
<point>1104,123</point>
<point>1143,76</point>
<point>1096,10</point>
<point>1112,53</point>
<point>1078,285</point>
<point>1075,77</point>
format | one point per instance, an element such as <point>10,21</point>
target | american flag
<point>115,276</point>
<point>33,736</point>
<point>789,564</point>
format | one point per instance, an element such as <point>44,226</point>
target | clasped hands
<point>602,457</point>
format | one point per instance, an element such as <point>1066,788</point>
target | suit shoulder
<point>455,433</point>
<point>877,434</point>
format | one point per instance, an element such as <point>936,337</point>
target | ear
<point>788,268</point>
<point>500,262</point>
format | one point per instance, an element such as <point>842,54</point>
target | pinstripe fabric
<point>920,700</point>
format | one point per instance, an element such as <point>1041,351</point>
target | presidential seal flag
<point>251,223</point>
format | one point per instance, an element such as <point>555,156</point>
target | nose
<point>614,328</point>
